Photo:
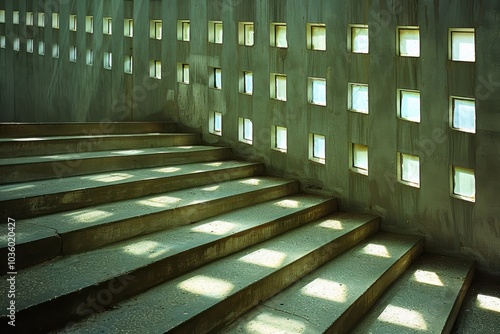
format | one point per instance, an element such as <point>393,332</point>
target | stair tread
<point>422,299</point>
<point>65,274</point>
<point>104,154</point>
<point>54,186</point>
<point>314,302</point>
<point>97,136</point>
<point>168,305</point>
<point>69,221</point>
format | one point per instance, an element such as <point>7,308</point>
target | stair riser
<point>75,306</point>
<point>26,130</point>
<point>91,238</point>
<point>79,145</point>
<point>218,316</point>
<point>53,203</point>
<point>356,311</point>
<point>52,170</point>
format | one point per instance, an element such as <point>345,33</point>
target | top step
<point>17,130</point>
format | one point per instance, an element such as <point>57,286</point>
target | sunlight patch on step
<point>214,164</point>
<point>332,224</point>
<point>128,152</point>
<point>266,323</point>
<point>288,203</point>
<point>376,250</point>
<point>28,139</point>
<point>265,258</point>
<point>109,177</point>
<point>213,188</point>
<point>160,202</point>
<point>217,227</point>
<point>403,317</point>
<point>427,277</point>
<point>167,170</point>
<point>16,188</point>
<point>251,182</point>
<point>150,248</point>
<point>89,216</point>
<point>326,289</point>
<point>185,147</point>
<point>207,286</point>
<point>488,302</point>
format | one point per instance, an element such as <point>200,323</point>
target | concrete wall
<point>40,88</point>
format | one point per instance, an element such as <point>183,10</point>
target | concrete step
<point>333,298</point>
<point>17,130</point>
<point>31,199</point>
<point>22,147</point>
<point>208,297</point>
<point>42,238</point>
<point>24,169</point>
<point>426,299</point>
<point>56,292</point>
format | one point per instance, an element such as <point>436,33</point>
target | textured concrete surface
<point>336,294</point>
<point>210,295</point>
<point>425,299</point>
<point>480,312</point>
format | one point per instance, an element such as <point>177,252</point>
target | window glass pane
<point>359,98</point>
<point>281,138</point>
<point>410,168</point>
<point>360,156</point>
<point>185,73</point>
<point>318,38</point>
<point>318,92</point>
<point>247,129</point>
<point>280,31</point>
<point>319,146</point>
<point>359,40</point>
<point>464,182</point>
<point>249,34</point>
<point>409,42</point>
<point>185,31</point>
<point>217,78</point>
<point>280,87</point>
<point>218,33</point>
<point>464,115</point>
<point>410,106</point>
<point>217,122</point>
<point>462,47</point>
<point>248,82</point>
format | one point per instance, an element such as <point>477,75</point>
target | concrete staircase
<point>133,227</point>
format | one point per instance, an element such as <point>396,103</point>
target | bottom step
<point>332,298</point>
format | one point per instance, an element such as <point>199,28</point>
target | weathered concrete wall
<point>40,88</point>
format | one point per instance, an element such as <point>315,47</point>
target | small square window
<point>128,65</point>
<point>246,33</point>
<point>409,41</point>
<point>107,26</point>
<point>358,39</point>
<point>89,24</point>
<point>2,15</point>
<point>183,73</point>
<point>183,30</point>
<point>409,169</point>
<point>279,138</point>
<point>55,20</point>
<point>15,17</point>
<point>463,114</point>
<point>463,183</point>
<point>16,44</point>
<point>89,59</point>
<point>359,155</point>
<point>316,91</point>
<point>41,48</point>
<point>317,150</point>
<point>72,54</point>
<point>41,20</point>
<point>2,42</point>
<point>128,28</point>
<point>215,77</point>
<point>155,29</point>
<point>316,36</point>
<point>155,69</point>
<point>108,60</point>
<point>215,125</point>
<point>246,82</point>
<point>72,22</point>
<point>55,50</point>
<point>462,45</point>
<point>358,98</point>
<point>29,45</point>
<point>29,18</point>
<point>215,32</point>
<point>278,86</point>
<point>278,35</point>
<point>245,130</point>
<point>409,105</point>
